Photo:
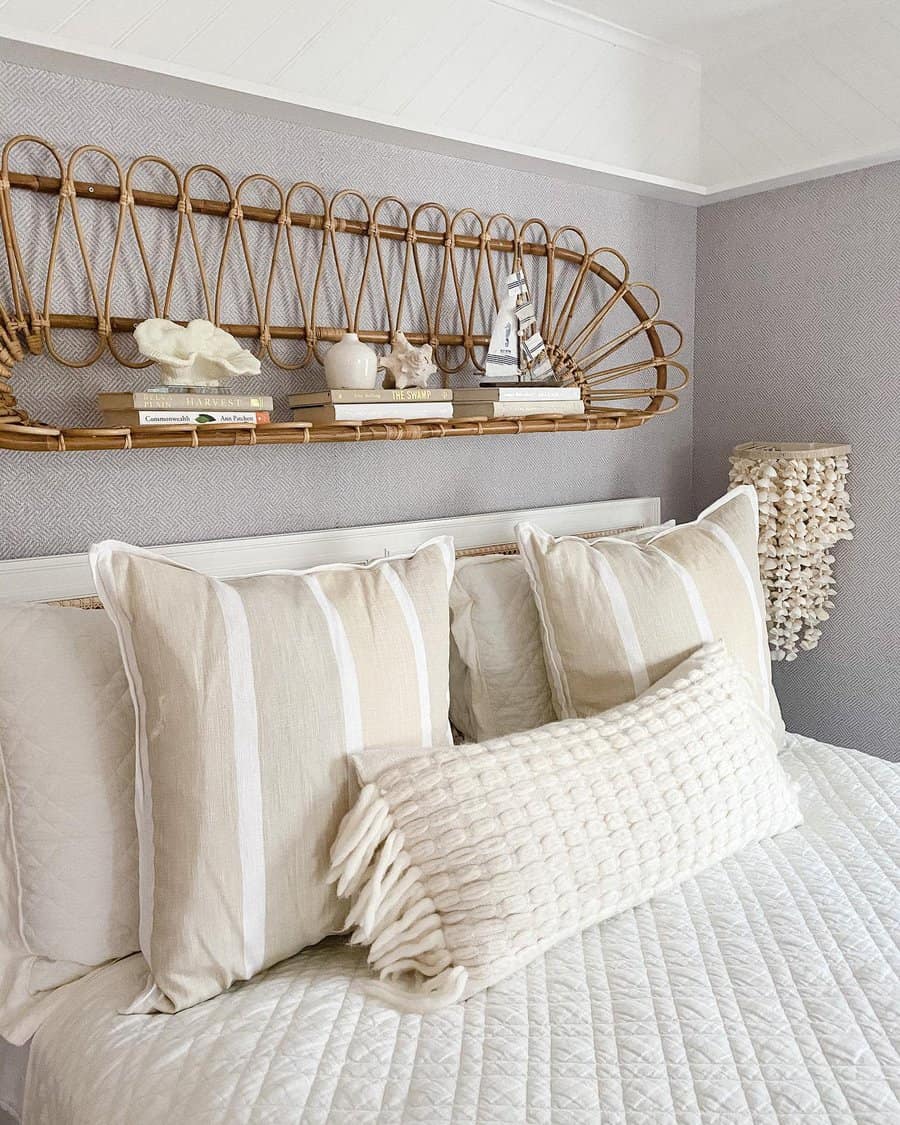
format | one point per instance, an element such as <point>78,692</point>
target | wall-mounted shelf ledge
<point>50,439</point>
<point>336,266</point>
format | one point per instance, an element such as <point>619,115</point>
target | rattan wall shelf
<point>303,271</point>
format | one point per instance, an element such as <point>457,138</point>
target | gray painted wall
<point>57,503</point>
<point>798,299</point>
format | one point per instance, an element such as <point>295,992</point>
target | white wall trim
<point>121,68</point>
<point>69,576</point>
<point>735,190</point>
<point>585,23</point>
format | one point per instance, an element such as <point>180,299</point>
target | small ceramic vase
<point>352,364</point>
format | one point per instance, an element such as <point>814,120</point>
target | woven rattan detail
<point>339,263</point>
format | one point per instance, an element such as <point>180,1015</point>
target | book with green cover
<point>184,417</point>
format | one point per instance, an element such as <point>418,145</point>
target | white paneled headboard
<point>68,576</point>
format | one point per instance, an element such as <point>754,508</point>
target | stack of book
<point>412,404</point>
<point>175,408</point>
<point>516,401</point>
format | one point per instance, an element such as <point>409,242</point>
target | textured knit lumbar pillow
<point>68,846</point>
<point>618,616</point>
<point>466,863</point>
<point>250,694</point>
<point>498,680</point>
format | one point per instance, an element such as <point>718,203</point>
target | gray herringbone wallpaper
<point>51,504</point>
<point>798,298</point>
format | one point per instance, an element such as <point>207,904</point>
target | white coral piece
<point>198,354</point>
<point>407,365</point>
<point>803,512</point>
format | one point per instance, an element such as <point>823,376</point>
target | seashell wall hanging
<point>803,512</point>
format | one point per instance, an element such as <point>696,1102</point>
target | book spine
<point>517,409</point>
<point>372,412</point>
<point>521,393</point>
<point>142,400</point>
<point>185,417</point>
<point>363,397</point>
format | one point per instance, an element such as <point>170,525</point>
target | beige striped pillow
<point>250,696</point>
<point>618,616</point>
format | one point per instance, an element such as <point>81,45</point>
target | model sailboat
<point>517,352</point>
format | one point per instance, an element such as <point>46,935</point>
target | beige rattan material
<point>628,375</point>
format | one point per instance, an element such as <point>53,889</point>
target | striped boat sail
<point>517,352</point>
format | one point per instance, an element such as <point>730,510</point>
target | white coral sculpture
<point>198,354</point>
<point>803,512</point>
<point>407,365</point>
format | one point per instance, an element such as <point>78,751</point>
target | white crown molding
<point>736,190</point>
<point>553,11</point>
<point>55,577</point>
<point>117,67</point>
<point>121,68</point>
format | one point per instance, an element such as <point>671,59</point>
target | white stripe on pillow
<point>616,615</point>
<point>693,595</point>
<point>624,622</point>
<point>248,785</point>
<point>765,667</point>
<point>349,684</point>
<point>418,642</point>
<point>252,693</point>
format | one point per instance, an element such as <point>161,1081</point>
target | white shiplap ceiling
<point>789,87</point>
<point>687,98</point>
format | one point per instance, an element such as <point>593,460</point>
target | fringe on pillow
<point>391,913</point>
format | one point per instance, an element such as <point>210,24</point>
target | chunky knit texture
<point>466,863</point>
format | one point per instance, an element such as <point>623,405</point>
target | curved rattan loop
<point>560,324</point>
<point>466,317</point>
<point>160,308</point>
<point>522,241</point>
<point>394,316</point>
<point>432,315</point>
<point>27,317</point>
<point>101,309</point>
<point>453,268</point>
<point>307,308</point>
<point>263,307</point>
<point>211,300</point>
<point>496,278</point>
<point>336,223</point>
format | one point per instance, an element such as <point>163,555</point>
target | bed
<point>765,990</point>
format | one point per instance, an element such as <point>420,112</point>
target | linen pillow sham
<point>250,694</point>
<point>498,680</point>
<point>618,616</point>
<point>68,844</point>
<point>467,863</point>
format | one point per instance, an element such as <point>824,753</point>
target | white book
<point>516,409</point>
<point>372,411</point>
<point>520,393</point>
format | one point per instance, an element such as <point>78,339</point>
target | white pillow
<point>468,862</point>
<point>68,843</point>
<point>498,679</point>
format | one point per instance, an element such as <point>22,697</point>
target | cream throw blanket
<point>463,864</point>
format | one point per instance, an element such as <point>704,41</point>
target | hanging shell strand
<point>803,512</point>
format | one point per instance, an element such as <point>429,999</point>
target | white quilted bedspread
<point>765,990</point>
